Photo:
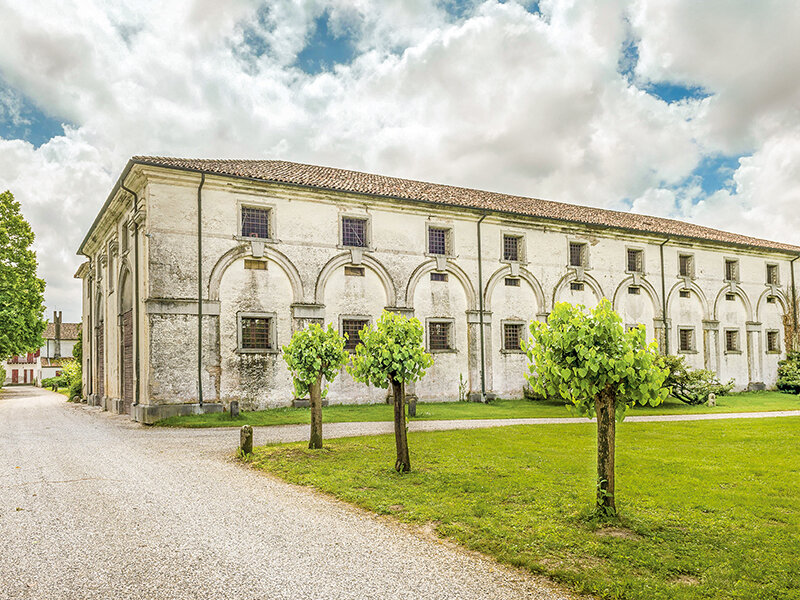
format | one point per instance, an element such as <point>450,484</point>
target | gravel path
<point>95,506</point>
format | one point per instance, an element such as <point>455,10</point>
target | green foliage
<point>689,385</point>
<point>312,352</point>
<point>789,373</point>
<point>392,350</point>
<point>2,376</point>
<point>53,383</point>
<point>21,291</point>
<point>72,371</point>
<point>577,355</point>
<point>77,349</point>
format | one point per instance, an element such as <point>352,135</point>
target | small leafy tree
<point>314,354</point>
<point>588,359</point>
<point>72,371</point>
<point>689,385</point>
<point>393,353</point>
<point>789,373</point>
<point>77,349</point>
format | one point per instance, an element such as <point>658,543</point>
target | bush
<point>692,386</point>
<point>54,383</point>
<point>2,376</point>
<point>73,375</point>
<point>789,373</point>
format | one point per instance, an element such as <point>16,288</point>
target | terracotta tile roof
<point>57,362</point>
<point>328,178</point>
<point>69,331</point>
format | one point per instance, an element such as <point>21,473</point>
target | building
<point>59,340</point>
<point>199,271</point>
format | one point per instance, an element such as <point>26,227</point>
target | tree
<point>392,353</point>
<point>314,354</point>
<point>77,349</point>
<point>588,359</point>
<point>21,291</point>
<point>689,385</point>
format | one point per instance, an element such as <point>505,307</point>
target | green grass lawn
<point>708,509</point>
<point>499,409</point>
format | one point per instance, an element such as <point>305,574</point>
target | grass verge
<point>499,409</point>
<point>707,509</point>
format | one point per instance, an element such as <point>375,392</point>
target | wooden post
<point>403,462</point>
<point>315,441</point>
<point>606,424</point>
<point>246,439</point>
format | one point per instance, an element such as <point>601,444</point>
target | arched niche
<point>335,266</point>
<point>638,304</point>
<point>246,251</point>
<point>589,296</point>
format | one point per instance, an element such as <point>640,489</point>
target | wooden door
<point>101,359</point>
<point>127,361</point>
<point>15,376</point>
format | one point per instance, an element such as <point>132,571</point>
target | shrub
<point>54,383</point>
<point>692,386</point>
<point>2,376</point>
<point>789,373</point>
<point>72,371</point>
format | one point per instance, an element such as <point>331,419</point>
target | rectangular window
<point>350,329</point>
<point>257,265</point>
<point>351,271</point>
<point>771,299</point>
<point>439,335</point>
<point>686,265</point>
<point>512,245</point>
<point>438,240</point>
<point>632,326</point>
<point>512,336</point>
<point>730,297</point>
<point>438,276</point>
<point>635,261</point>
<point>255,222</point>
<point>732,340</point>
<point>684,293</point>
<point>512,281</point>
<point>354,232</point>
<point>772,275</point>
<point>773,344</point>
<point>256,333</point>
<point>686,340</point>
<point>731,270</point>
<point>576,286</point>
<point>577,254</point>
<point>634,290</point>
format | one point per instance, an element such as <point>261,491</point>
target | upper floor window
<point>731,269</point>
<point>512,247</point>
<point>686,265</point>
<point>354,232</point>
<point>635,260</point>
<point>439,240</point>
<point>255,222</point>
<point>772,275</point>
<point>577,254</point>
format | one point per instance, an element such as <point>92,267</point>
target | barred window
<point>350,329</point>
<point>773,344</point>
<point>731,340</point>
<point>686,340</point>
<point>577,254</point>
<point>438,276</point>
<point>512,245</point>
<point>635,261</point>
<point>256,333</point>
<point>354,232</point>
<point>512,336</point>
<point>634,290</point>
<point>439,335</point>
<point>512,281</point>
<point>438,240</point>
<point>772,274</point>
<point>731,270</point>
<point>686,265</point>
<point>255,222</point>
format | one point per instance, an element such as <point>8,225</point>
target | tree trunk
<point>604,407</point>
<point>403,463</point>
<point>315,392</point>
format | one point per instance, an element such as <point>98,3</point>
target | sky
<point>675,108</point>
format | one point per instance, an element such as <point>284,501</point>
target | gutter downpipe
<point>480,314</point>
<point>135,292</point>
<point>200,289</point>
<point>794,305</point>
<point>664,298</point>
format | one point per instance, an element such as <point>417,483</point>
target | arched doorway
<point>126,341</point>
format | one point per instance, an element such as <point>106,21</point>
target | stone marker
<point>412,405</point>
<point>234,408</point>
<point>712,399</point>
<point>246,439</point>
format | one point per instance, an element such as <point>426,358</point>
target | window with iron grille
<point>577,254</point>
<point>684,293</point>
<point>255,333</point>
<point>772,274</point>
<point>439,335</point>
<point>354,232</point>
<point>773,343</point>
<point>255,222</point>
<point>438,276</point>
<point>686,339</point>
<point>350,328</point>
<point>731,270</point>
<point>512,281</point>
<point>512,247</point>
<point>512,336</point>
<point>438,240</point>
<point>576,286</point>
<point>635,261</point>
<point>731,340</point>
<point>686,265</point>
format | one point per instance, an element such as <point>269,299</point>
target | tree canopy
<point>21,291</point>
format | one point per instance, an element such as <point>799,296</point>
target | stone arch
<point>694,288</point>
<point>593,284</point>
<point>782,299</point>
<point>646,286</point>
<point>524,274</point>
<point>245,250</point>
<point>345,258</point>
<point>456,271</point>
<point>748,307</point>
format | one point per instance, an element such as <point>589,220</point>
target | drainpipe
<point>200,289</point>
<point>480,314</point>
<point>664,298</point>
<point>135,292</point>
<point>794,305</point>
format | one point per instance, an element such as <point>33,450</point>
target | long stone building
<point>198,272</point>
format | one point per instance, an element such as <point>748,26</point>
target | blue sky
<point>21,119</point>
